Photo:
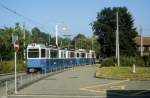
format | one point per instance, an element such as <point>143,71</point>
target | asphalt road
<point>81,83</point>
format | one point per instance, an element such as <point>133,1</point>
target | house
<point>145,44</point>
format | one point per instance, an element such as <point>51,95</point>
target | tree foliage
<point>6,47</point>
<point>37,36</point>
<point>80,41</point>
<point>105,28</point>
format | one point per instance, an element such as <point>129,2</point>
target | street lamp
<point>63,28</point>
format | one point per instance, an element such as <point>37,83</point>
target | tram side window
<point>93,55</point>
<point>33,53</point>
<point>82,55</point>
<point>43,53</point>
<point>78,55</point>
<point>72,55</point>
<point>64,54</point>
<point>54,54</point>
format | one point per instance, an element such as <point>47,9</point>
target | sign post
<point>16,48</point>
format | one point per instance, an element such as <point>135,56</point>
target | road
<point>81,83</point>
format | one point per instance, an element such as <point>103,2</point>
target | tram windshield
<point>33,53</point>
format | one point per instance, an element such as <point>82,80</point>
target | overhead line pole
<point>141,31</point>
<point>117,42</point>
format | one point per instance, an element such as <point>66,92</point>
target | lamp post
<point>56,32</point>
<point>56,35</point>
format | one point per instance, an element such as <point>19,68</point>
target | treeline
<point>38,36</point>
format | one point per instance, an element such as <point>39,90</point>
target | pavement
<point>79,82</point>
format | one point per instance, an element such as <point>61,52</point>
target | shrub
<point>124,61</point>
<point>8,66</point>
<point>108,62</point>
<point>129,61</point>
<point>146,60</point>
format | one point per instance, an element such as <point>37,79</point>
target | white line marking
<point>90,88</point>
<point>60,96</point>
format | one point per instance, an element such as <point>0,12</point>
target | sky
<point>75,15</point>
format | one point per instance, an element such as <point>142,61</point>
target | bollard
<point>133,68</point>
<point>45,72</point>
<point>31,77</point>
<point>6,89</point>
<point>21,80</point>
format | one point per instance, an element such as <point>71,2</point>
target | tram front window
<point>33,53</point>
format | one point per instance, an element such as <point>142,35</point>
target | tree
<point>6,49</point>
<point>105,28</point>
<point>80,41</point>
<point>38,36</point>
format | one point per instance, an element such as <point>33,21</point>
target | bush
<point>108,62</point>
<point>8,66</point>
<point>129,61</point>
<point>146,60</point>
<point>124,61</point>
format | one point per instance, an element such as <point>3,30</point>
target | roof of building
<point>146,40</point>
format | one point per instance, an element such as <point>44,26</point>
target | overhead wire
<point>22,16</point>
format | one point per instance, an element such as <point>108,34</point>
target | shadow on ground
<point>128,94</point>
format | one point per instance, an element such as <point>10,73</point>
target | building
<point>145,44</point>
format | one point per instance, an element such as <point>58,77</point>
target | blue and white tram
<point>41,58</point>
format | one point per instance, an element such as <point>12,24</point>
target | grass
<point>142,73</point>
<point>8,66</point>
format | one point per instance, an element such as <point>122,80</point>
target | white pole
<point>118,51</point>
<point>15,75</point>
<point>116,46</point>
<point>56,34</point>
<point>141,31</point>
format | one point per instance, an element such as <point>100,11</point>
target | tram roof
<point>34,45</point>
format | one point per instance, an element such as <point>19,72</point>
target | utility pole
<point>117,42</point>
<point>116,46</point>
<point>141,31</point>
<point>56,35</point>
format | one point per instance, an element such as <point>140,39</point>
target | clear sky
<point>75,14</point>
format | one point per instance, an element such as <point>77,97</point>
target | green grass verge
<point>8,66</point>
<point>142,73</point>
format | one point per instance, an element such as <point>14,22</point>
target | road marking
<point>60,96</point>
<point>90,88</point>
<point>120,87</point>
<point>101,85</point>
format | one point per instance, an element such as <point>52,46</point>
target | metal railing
<point>7,87</point>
